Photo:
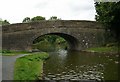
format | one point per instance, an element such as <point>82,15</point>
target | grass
<point>12,53</point>
<point>30,67</point>
<point>112,49</point>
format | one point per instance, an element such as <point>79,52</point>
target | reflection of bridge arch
<point>71,40</point>
<point>79,34</point>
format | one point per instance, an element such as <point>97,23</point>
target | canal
<point>76,65</point>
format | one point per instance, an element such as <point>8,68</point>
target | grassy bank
<point>113,49</point>
<point>30,67</point>
<point>12,53</point>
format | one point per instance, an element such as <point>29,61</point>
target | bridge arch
<point>71,40</point>
<point>78,33</point>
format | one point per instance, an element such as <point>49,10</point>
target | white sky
<point>16,10</point>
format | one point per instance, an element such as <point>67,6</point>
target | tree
<point>37,18</point>
<point>4,22</point>
<point>54,18</point>
<point>108,13</point>
<point>26,20</point>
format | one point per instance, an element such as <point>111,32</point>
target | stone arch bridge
<point>78,33</point>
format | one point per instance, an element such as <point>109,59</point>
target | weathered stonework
<point>79,34</point>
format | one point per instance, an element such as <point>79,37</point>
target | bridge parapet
<point>51,24</point>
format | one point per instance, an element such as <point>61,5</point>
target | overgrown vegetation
<point>11,53</point>
<point>30,67</point>
<point>105,49</point>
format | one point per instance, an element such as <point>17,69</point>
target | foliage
<point>34,19</point>
<point>50,38</point>
<point>108,14</point>
<point>43,46</point>
<point>37,18</point>
<point>54,18</point>
<point>30,67</point>
<point>4,22</point>
<point>112,49</point>
<point>6,51</point>
<point>26,20</point>
<point>50,43</point>
<point>11,53</point>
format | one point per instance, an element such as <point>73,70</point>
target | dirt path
<point>8,66</point>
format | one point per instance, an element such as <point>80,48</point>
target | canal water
<point>76,65</point>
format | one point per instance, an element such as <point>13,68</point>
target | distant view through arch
<point>54,41</point>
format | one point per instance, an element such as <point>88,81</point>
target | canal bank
<point>72,65</point>
<point>104,49</point>
<point>30,67</point>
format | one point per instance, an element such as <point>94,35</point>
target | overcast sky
<point>16,10</point>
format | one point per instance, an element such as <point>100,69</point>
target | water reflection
<point>75,65</point>
<point>62,53</point>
